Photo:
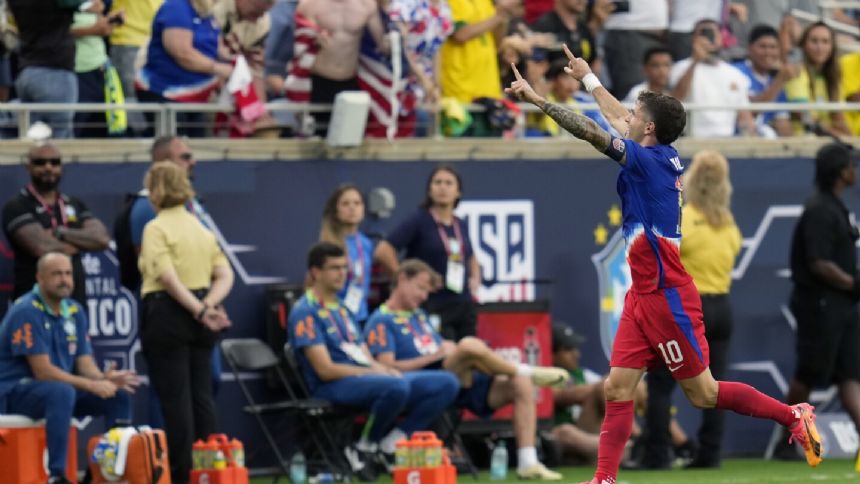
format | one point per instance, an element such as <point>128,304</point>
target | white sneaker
<point>389,442</point>
<point>550,376</point>
<point>538,472</point>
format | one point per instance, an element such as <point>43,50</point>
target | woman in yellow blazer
<point>185,280</point>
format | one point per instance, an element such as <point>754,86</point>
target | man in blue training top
<point>662,317</point>
<point>46,365</point>
<point>399,336</point>
<point>338,367</point>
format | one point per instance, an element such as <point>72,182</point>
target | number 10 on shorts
<point>671,353</point>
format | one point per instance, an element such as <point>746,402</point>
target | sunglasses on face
<point>45,161</point>
<point>186,156</point>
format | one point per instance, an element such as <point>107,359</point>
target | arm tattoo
<point>578,125</point>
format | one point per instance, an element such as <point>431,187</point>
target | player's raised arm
<point>614,112</point>
<point>575,123</point>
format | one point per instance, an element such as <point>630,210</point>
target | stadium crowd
<point>448,54</point>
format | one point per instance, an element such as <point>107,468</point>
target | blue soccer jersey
<point>407,334</point>
<point>311,324</point>
<point>31,328</point>
<point>651,199</point>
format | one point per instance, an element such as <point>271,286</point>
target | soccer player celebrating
<point>662,316</point>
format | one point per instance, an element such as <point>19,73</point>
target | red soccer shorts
<point>662,327</point>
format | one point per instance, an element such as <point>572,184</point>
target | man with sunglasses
<point>40,219</point>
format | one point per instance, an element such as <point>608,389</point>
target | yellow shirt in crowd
<point>176,238</point>
<point>850,65</point>
<point>471,69</point>
<point>138,21</point>
<point>708,253</point>
<point>799,90</point>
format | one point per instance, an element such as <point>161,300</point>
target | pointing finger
<point>568,53</point>
<point>516,72</point>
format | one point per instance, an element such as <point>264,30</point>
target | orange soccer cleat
<point>804,432</point>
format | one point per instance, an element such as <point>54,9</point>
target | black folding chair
<point>250,354</point>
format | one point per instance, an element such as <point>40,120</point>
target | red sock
<point>614,433</point>
<point>746,400</point>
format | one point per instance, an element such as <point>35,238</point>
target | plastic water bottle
<point>499,462</point>
<point>298,471</point>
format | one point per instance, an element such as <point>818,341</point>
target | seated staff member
<point>337,366</point>
<point>400,337</point>
<point>47,370</point>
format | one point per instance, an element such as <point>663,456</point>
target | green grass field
<point>734,471</point>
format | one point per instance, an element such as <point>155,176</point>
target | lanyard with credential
<point>48,209</point>
<point>359,247</point>
<point>333,321</point>
<point>444,236</point>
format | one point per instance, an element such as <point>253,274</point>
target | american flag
<point>378,75</point>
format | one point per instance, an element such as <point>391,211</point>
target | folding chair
<point>449,423</point>
<point>250,354</point>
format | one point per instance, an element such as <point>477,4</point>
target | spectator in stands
<point>705,78</point>
<point>683,16</point>
<point>338,367</point>
<point>425,26</point>
<point>768,71</point>
<point>850,66</point>
<point>342,216</point>
<point>339,27</point>
<point>399,336</point>
<point>185,281</point>
<point>95,75</point>
<point>125,42</point>
<point>469,63</point>
<point>245,24</point>
<point>818,81</point>
<point>777,14</point>
<point>277,53</point>
<point>47,371</point>
<point>564,90</point>
<point>827,287</point>
<point>182,63</point>
<point>567,23</point>
<point>40,219</point>
<point>628,35</point>
<point>656,67</point>
<point>436,236</point>
<point>46,58</point>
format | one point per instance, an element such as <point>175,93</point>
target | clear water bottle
<point>298,469</point>
<point>499,462</point>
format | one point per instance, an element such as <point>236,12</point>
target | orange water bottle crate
<point>219,460</point>
<point>422,460</point>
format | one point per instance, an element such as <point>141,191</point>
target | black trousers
<point>178,353</point>
<point>459,317</point>
<point>717,313</point>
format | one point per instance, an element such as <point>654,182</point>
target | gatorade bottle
<point>432,451</point>
<point>197,455</point>
<point>210,454</point>
<point>238,452</point>
<point>220,461</point>
<point>402,454</point>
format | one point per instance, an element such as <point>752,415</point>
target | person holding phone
<point>705,78</point>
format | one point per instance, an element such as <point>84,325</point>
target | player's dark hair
<point>667,113</point>
<point>322,251</point>
<point>655,51</point>
<point>428,202</point>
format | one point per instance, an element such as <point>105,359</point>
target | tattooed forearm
<point>578,125</point>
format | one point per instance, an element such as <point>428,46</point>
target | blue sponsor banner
<point>541,229</point>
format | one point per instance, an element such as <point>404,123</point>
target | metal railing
<point>165,114</point>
